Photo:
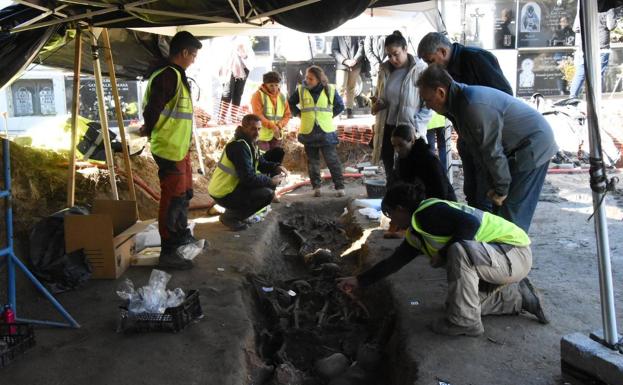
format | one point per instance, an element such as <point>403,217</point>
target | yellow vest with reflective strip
<point>225,179</point>
<point>320,112</point>
<point>493,229</point>
<point>267,134</point>
<point>170,137</point>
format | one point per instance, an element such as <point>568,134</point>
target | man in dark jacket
<point>348,53</point>
<point>511,141</point>
<point>168,122</point>
<point>243,181</point>
<point>472,66</point>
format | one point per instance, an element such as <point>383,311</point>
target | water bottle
<point>8,317</point>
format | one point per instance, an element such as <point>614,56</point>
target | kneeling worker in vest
<point>168,114</point>
<point>472,245</point>
<point>243,181</point>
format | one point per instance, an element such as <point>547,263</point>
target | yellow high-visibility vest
<point>492,229</point>
<point>225,178</point>
<point>320,112</point>
<point>170,137</point>
<point>266,133</point>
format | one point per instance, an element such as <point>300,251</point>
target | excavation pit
<point>307,331</point>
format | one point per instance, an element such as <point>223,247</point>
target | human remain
<point>509,140</point>
<point>168,114</point>
<point>472,245</point>
<point>243,181</point>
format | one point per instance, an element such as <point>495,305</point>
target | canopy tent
<point>26,28</point>
<point>373,21</point>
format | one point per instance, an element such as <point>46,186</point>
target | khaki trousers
<point>469,262</point>
<point>346,82</point>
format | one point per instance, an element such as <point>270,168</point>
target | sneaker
<point>445,327</point>
<point>340,193</point>
<point>317,192</point>
<point>531,301</point>
<point>232,223</point>
<point>172,259</point>
<point>349,113</point>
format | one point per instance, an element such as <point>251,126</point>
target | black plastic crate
<point>15,339</point>
<point>174,318</point>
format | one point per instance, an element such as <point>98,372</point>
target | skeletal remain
<point>322,313</point>
<point>296,312</point>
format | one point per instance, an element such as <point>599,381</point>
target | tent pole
<point>115,93</point>
<point>592,85</point>
<point>75,103</point>
<point>99,88</point>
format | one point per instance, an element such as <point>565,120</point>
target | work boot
<point>531,301</point>
<point>232,223</point>
<point>445,327</point>
<point>172,259</point>
<point>317,192</point>
<point>340,193</point>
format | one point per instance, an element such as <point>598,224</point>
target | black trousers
<point>244,202</point>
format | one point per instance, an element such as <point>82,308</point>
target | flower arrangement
<point>567,68</point>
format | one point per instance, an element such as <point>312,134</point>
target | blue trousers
<point>438,136</point>
<point>523,196</point>
<point>578,78</point>
<point>475,184</point>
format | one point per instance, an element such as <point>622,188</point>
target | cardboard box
<point>106,235</point>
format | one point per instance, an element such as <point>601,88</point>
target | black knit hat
<point>271,77</point>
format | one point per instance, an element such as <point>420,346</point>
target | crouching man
<point>472,245</point>
<point>243,181</point>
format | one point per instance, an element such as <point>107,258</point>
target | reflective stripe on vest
<point>170,137</point>
<point>266,134</point>
<point>225,178</point>
<point>492,229</point>
<point>319,112</point>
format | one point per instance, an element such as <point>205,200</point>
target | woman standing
<point>272,107</point>
<point>318,102</point>
<point>397,100</point>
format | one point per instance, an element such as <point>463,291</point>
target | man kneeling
<point>474,247</point>
<point>243,181</point>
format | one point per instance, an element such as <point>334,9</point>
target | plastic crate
<point>15,339</point>
<point>174,318</point>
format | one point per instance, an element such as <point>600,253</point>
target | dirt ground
<point>221,348</point>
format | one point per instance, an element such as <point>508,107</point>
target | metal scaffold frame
<point>7,255</point>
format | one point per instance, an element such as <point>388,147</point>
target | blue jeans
<point>475,184</point>
<point>440,134</point>
<point>523,196</point>
<point>578,78</point>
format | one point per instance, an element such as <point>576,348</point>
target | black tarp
<point>133,50</point>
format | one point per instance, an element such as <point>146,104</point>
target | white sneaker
<point>340,193</point>
<point>317,192</point>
